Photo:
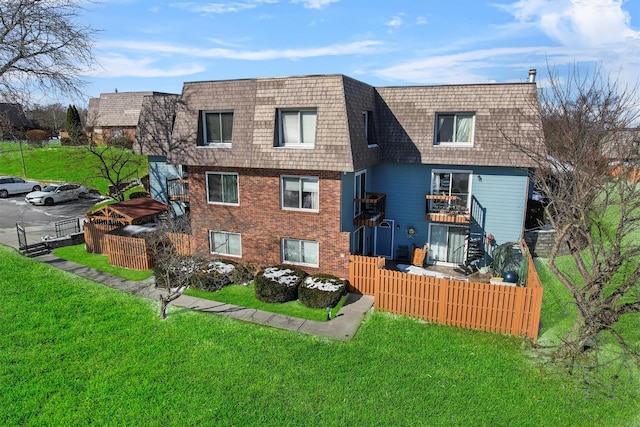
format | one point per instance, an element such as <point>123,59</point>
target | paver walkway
<point>342,327</point>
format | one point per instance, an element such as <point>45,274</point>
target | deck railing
<point>372,209</point>
<point>178,189</point>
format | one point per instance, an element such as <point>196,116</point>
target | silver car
<point>57,193</point>
<point>14,185</point>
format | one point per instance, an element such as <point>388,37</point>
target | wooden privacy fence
<point>95,237</point>
<point>493,308</point>
<point>128,252</point>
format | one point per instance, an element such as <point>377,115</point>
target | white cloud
<point>315,4</point>
<point>121,66</point>
<point>421,20</point>
<point>220,8</point>
<point>359,47</point>
<point>396,21</point>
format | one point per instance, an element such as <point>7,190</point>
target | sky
<point>145,45</point>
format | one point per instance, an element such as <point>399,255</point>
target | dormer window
<point>369,131</point>
<point>454,129</point>
<point>217,127</point>
<point>297,128</point>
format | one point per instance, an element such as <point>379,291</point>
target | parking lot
<point>38,221</point>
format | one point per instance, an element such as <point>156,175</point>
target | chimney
<point>532,75</point>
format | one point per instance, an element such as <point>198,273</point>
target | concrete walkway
<point>342,327</point>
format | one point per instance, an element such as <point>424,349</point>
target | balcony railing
<point>372,210</point>
<point>445,208</point>
<point>178,189</point>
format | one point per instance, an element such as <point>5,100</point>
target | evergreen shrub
<point>279,283</point>
<point>321,290</point>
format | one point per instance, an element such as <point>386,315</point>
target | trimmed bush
<point>321,290</point>
<point>215,276</point>
<point>37,137</point>
<point>279,284</point>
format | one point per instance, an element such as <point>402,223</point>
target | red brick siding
<point>263,223</point>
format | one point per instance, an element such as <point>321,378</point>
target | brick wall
<point>263,224</point>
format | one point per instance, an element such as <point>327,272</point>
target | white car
<point>15,185</point>
<point>57,193</point>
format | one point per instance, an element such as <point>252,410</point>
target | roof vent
<point>532,75</point>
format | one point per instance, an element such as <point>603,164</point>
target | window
<point>297,128</point>
<point>225,243</point>
<point>299,193</point>
<point>217,128</point>
<point>369,133</point>
<point>300,252</point>
<point>359,192</point>
<point>450,183</point>
<point>222,188</point>
<point>454,129</point>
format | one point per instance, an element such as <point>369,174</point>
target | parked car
<point>15,185</point>
<point>57,193</point>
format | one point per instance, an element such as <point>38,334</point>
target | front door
<point>384,239</point>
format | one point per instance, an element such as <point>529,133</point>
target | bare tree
<point>588,172</point>
<point>175,265</point>
<point>42,48</point>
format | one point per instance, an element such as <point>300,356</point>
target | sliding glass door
<point>447,244</point>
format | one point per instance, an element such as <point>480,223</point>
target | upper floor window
<point>217,128</point>
<point>369,132</point>
<point>222,187</point>
<point>451,183</point>
<point>297,128</point>
<point>454,129</point>
<point>300,193</point>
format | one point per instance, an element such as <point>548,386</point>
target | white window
<point>451,183</point>
<point>217,128</point>
<point>297,128</point>
<point>222,187</point>
<point>300,193</point>
<point>304,252</point>
<point>369,134</point>
<point>360,192</point>
<point>454,129</point>
<point>225,243</point>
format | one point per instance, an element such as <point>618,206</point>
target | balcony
<point>372,210</point>
<point>445,208</point>
<point>178,189</point>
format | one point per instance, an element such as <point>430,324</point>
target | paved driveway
<point>38,221</point>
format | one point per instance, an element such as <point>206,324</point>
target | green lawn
<point>245,296</point>
<point>56,163</point>
<point>73,352</point>
<point>79,255</point>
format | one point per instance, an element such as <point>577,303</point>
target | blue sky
<point>158,45</point>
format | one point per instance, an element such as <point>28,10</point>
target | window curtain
<point>290,127</point>
<point>230,188</point>
<point>291,192</point>
<point>438,243</point>
<point>291,250</point>
<point>308,120</point>
<point>456,252</point>
<point>445,128</point>
<point>310,194</point>
<point>463,128</point>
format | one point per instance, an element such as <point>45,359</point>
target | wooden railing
<point>372,210</point>
<point>445,208</point>
<point>178,189</point>
<point>494,308</point>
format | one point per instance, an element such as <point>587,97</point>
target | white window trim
<point>206,178</point>
<point>206,144</point>
<point>282,193</point>
<point>466,171</point>
<point>366,114</point>
<point>211,249</point>
<point>303,146</point>
<point>437,143</point>
<point>285,261</point>
<point>355,190</point>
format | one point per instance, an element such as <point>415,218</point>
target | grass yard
<point>73,352</point>
<point>56,163</point>
<point>245,296</point>
<point>79,255</point>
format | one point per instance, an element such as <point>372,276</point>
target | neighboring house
<point>115,115</point>
<point>307,170</point>
<point>13,122</point>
